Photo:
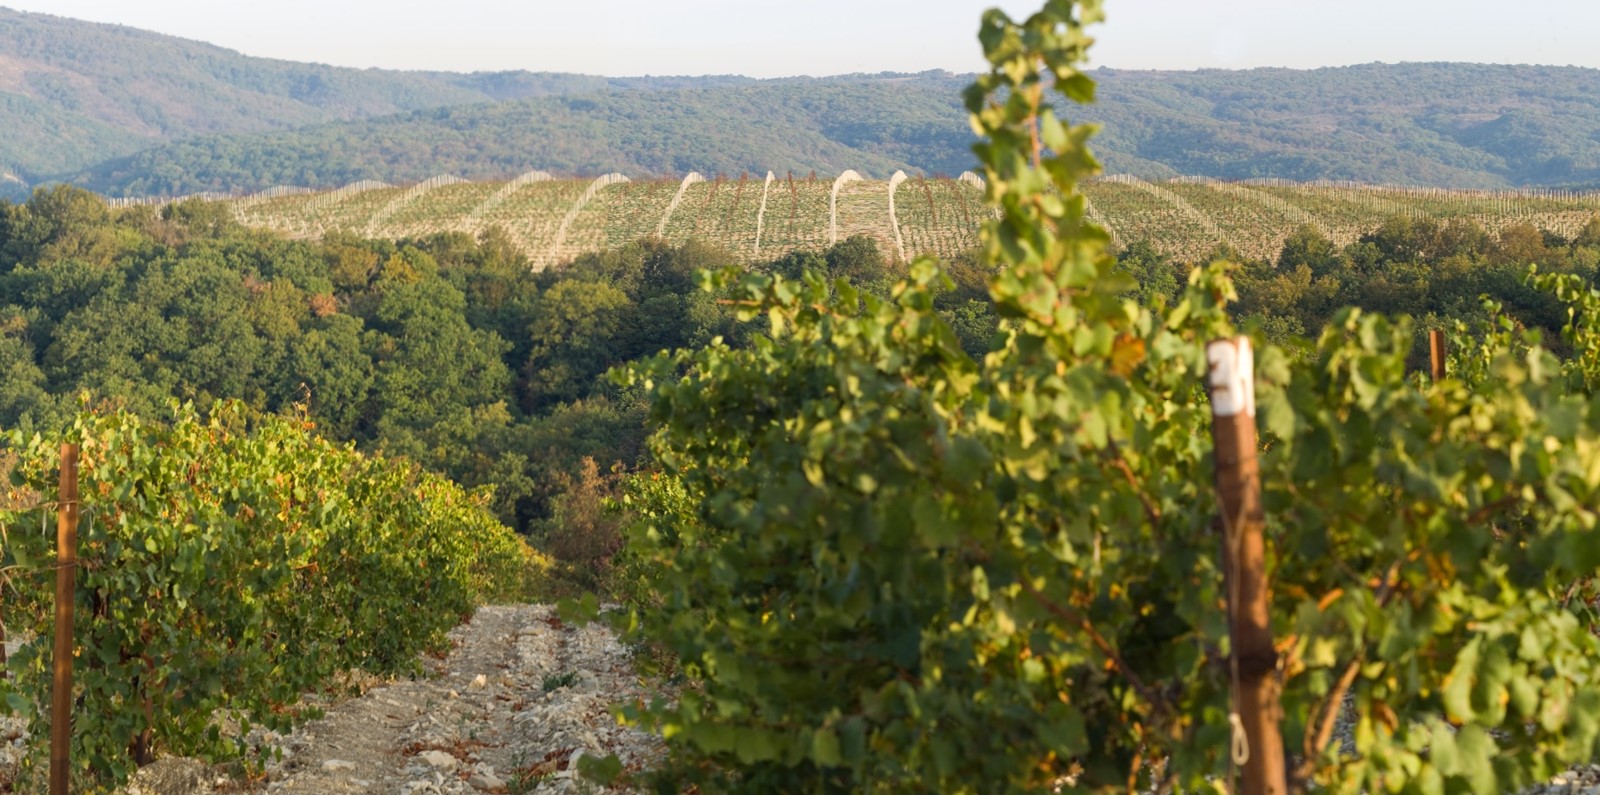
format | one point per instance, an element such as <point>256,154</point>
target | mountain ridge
<point>129,112</point>
<point>75,93</point>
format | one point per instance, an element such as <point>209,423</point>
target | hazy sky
<point>767,38</point>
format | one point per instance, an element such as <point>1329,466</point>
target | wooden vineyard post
<point>1257,712</point>
<point>66,568</point>
<point>1436,354</point>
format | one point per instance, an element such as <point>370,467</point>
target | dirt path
<point>510,710</point>
<point>521,697</point>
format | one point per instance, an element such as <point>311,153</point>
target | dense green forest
<point>448,350</point>
<point>84,92</point>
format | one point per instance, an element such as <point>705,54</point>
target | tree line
<point>447,349</point>
<point>1435,272</point>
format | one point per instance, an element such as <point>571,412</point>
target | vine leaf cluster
<point>887,566</point>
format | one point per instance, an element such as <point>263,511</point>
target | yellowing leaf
<point>1127,353</point>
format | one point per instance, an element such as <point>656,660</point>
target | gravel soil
<point>518,700</point>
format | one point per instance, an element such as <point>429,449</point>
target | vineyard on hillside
<point>762,216</point>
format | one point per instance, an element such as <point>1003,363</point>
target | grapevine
<point>906,570</point>
<point>229,562</point>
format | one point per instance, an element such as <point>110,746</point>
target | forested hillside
<point>827,125</point>
<point>1448,125</point>
<point>109,108</point>
<point>1439,124</point>
<point>74,93</point>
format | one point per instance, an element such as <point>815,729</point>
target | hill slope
<point>74,93</point>
<point>1448,125</point>
<point>826,125</point>
<point>1443,124</point>
<point>123,89</point>
<point>555,220</point>
<point>131,112</point>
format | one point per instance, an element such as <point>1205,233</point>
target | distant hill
<point>822,125</point>
<point>1440,124</point>
<point>75,93</point>
<point>129,112</point>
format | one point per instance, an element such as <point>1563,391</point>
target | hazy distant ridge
<point>823,125</point>
<point>130,112</point>
<point>75,93</point>
<point>1442,124</point>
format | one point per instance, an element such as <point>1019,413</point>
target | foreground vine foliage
<point>903,570</point>
<point>227,563</point>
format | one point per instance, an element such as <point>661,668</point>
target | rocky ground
<point>510,710</point>
<point>520,697</point>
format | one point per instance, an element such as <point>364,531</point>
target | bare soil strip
<point>518,700</point>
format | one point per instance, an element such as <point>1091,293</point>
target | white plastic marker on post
<point>1233,382</point>
<point>1257,712</point>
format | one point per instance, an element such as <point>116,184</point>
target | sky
<point>773,38</point>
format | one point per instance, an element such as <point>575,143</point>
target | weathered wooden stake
<point>1436,354</point>
<point>66,568</point>
<point>1254,664</point>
